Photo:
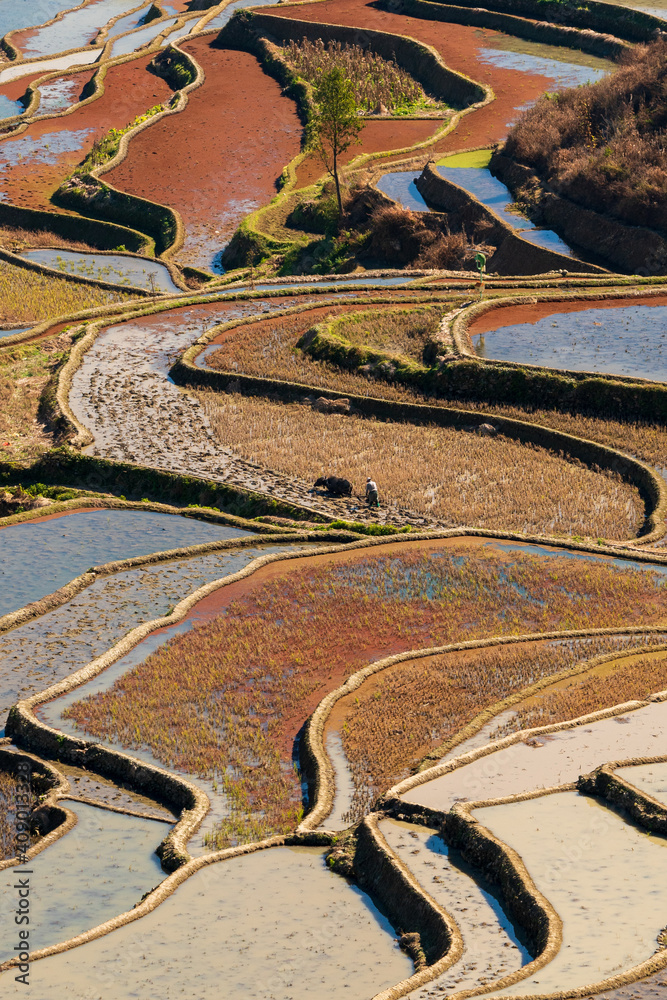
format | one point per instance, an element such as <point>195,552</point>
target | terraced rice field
<point>268,746</point>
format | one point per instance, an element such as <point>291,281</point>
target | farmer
<point>372,493</point>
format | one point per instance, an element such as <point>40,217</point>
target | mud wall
<point>603,783</point>
<point>91,197</point>
<point>519,256</point>
<point>649,484</point>
<point>379,873</point>
<point>603,45</point>
<point>631,249</point>
<point>100,235</point>
<point>62,465</point>
<point>502,867</point>
<point>623,22</point>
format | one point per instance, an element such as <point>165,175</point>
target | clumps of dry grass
<point>589,693</point>
<point>399,332</point>
<point>28,297</point>
<point>410,710</point>
<point>446,474</point>
<point>227,698</point>
<point>603,144</point>
<point>376,81</point>
<point>16,239</point>
<point>8,790</point>
<point>645,441</point>
<point>24,372</point>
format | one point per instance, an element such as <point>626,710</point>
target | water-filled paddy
<point>14,16</point>
<point>39,557</point>
<point>604,877</point>
<point>75,29</point>
<point>60,62</point>
<point>615,338</point>
<point>566,67</point>
<point>117,268</point>
<point>476,178</point>
<point>649,778</point>
<point>547,760</point>
<point>492,947</point>
<point>139,38</point>
<point>400,185</point>
<point>102,867</point>
<point>274,923</point>
<point>8,108</point>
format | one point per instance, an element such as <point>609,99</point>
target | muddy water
<point>605,878</point>
<point>38,558</point>
<point>118,268</point>
<point>103,791</point>
<point>649,778</point>
<point>58,95</point>
<point>492,948</point>
<point>99,869</point>
<point>549,759</point>
<point>77,28</point>
<point>623,339</point>
<point>276,924</point>
<point>39,653</point>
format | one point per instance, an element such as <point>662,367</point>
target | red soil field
<point>220,158</point>
<point>458,46</point>
<point>31,180</point>
<point>511,315</point>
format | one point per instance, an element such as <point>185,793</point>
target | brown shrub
<point>603,145</point>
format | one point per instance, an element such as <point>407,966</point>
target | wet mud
<point>219,159</point>
<point>36,161</point>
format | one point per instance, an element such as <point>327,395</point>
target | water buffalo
<point>43,820</point>
<point>339,487</point>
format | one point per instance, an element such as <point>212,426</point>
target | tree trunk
<point>335,173</point>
